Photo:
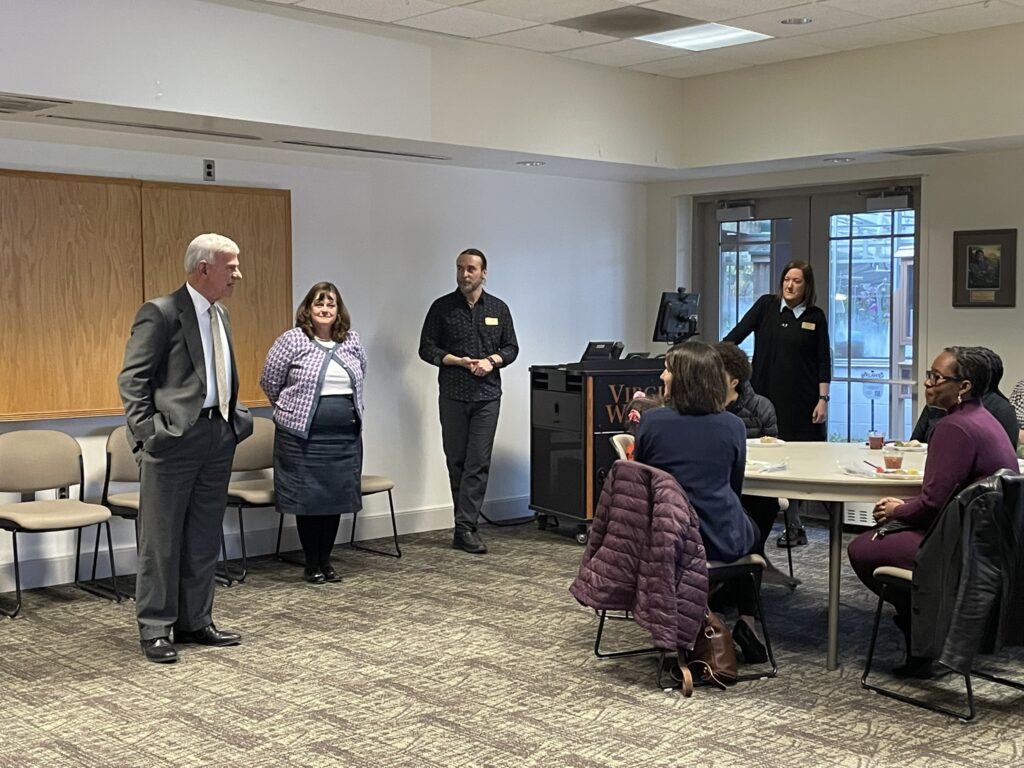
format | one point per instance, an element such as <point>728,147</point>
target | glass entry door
<point>864,267</point>
<point>871,316</point>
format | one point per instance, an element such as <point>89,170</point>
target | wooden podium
<point>575,408</point>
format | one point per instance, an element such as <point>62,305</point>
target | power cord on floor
<point>509,524</point>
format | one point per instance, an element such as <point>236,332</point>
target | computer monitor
<point>602,350</point>
<point>677,316</point>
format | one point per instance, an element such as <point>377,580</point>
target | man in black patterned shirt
<point>468,334</point>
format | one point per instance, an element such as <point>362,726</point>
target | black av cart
<point>575,408</point>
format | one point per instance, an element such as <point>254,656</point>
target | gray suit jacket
<point>163,382</point>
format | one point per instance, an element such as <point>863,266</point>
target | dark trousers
<point>763,511</point>
<point>181,512</point>
<point>867,552</point>
<point>317,534</point>
<point>467,431</point>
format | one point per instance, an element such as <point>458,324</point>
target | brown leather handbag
<point>713,658</point>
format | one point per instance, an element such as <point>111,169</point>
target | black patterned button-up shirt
<point>453,328</point>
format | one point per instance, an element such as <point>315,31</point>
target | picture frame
<point>985,268</point>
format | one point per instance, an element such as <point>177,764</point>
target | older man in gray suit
<point>179,385</point>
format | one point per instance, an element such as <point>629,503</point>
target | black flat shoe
<point>208,635</point>
<point>753,651</point>
<point>159,650</point>
<point>330,574</point>
<point>315,576</point>
<point>792,537</point>
<point>917,668</point>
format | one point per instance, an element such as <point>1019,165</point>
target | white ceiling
<point>837,25</point>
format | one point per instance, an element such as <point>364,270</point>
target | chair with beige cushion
<point>122,470</point>
<point>623,445</point>
<point>255,454</point>
<point>369,485</point>
<point>33,461</point>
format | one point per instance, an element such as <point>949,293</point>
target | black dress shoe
<point>792,537</point>
<point>469,541</point>
<point>160,650</point>
<point>208,635</point>
<point>753,651</point>
<point>315,576</point>
<point>330,574</point>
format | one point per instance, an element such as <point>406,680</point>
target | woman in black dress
<point>792,363</point>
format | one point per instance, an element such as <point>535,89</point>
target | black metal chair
<point>123,470</point>
<point>969,595</point>
<point>892,578</point>
<point>256,454</point>
<point>369,485</point>
<point>747,567</point>
<point>39,460</point>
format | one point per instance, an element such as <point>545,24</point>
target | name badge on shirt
<point>807,326</point>
<point>490,321</point>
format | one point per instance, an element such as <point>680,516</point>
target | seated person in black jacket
<point>993,399</point>
<point>758,415</point>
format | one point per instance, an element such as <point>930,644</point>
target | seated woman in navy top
<point>694,439</point>
<point>968,444</point>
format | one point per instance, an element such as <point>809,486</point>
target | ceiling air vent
<point>157,127</point>
<point>11,103</point>
<point>924,151</point>
<point>628,22</point>
<point>342,148</point>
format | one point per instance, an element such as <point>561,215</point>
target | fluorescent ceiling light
<point>704,37</point>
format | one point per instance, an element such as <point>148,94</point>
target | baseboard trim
<point>374,522</point>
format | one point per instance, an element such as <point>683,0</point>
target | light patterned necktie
<point>220,363</point>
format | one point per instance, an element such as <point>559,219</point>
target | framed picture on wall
<point>985,268</point>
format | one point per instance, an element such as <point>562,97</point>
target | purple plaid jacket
<point>294,373</point>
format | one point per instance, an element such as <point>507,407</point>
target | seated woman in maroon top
<point>967,445</point>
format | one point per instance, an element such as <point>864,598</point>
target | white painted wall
<point>924,92</point>
<point>567,255</point>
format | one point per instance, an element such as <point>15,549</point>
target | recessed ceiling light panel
<point>704,37</point>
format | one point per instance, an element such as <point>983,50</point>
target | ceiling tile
<point>547,39</point>
<point>546,10</point>
<point>718,10</point>
<point>622,53</point>
<point>892,9</point>
<point>465,22</point>
<point>865,36</point>
<point>373,10</point>
<point>773,51</point>
<point>688,65</point>
<point>824,17</point>
<point>993,13</point>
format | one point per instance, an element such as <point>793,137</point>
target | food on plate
<point>768,439</point>
<point>908,444</point>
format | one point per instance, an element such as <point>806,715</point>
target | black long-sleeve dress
<point>791,358</point>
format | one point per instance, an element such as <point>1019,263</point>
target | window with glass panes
<point>870,303</point>
<point>746,252</point>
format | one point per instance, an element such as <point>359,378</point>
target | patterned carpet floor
<point>447,659</point>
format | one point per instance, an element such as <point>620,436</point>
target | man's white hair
<point>205,248</point>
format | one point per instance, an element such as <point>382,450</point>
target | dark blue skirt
<point>320,475</point>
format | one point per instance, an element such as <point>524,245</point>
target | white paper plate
<point>911,448</point>
<point>899,474</point>
<point>755,442</point>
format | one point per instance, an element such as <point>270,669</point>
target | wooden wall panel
<point>259,220</point>
<point>70,282</point>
